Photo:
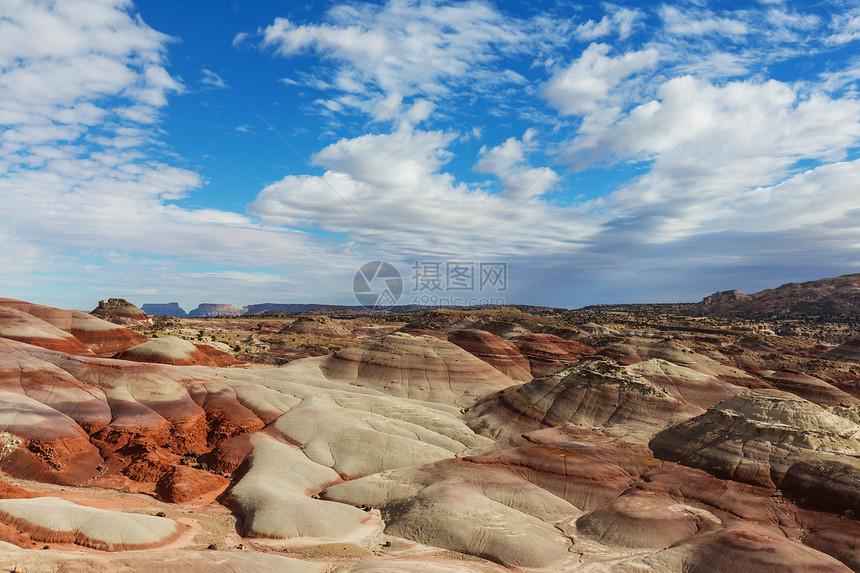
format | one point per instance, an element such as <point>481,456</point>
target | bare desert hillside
<point>451,440</point>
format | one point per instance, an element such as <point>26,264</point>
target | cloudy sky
<point>246,152</point>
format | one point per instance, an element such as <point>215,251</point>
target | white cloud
<point>843,78</point>
<point>620,20</point>
<point>767,124</point>
<point>390,190</point>
<point>84,84</point>
<point>846,27</point>
<point>719,155</point>
<point>508,162</point>
<point>691,22</point>
<point>410,48</point>
<point>213,80</point>
<point>706,149</point>
<point>81,91</point>
<point>587,83</point>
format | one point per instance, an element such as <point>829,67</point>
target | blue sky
<point>247,152</point>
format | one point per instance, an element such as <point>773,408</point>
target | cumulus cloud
<point>710,140</point>
<point>752,129</point>
<point>392,188</point>
<point>81,93</point>
<point>588,82</point>
<point>507,161</point>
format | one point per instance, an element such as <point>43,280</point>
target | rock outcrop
<point>499,353</point>
<point>548,353</point>
<point>417,367</point>
<point>176,351</point>
<point>120,311</point>
<point>99,336</point>
<point>848,351</point>
<point>54,520</point>
<point>485,505</point>
<point>319,326</point>
<point>595,392</point>
<point>768,437</point>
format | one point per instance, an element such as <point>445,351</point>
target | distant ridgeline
<point>833,297</point>
<point>166,309</point>
<point>212,309</point>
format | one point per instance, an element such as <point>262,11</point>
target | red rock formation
<point>767,437</point>
<point>181,484</point>
<point>24,327</point>
<point>99,336</point>
<point>581,467</point>
<point>635,350</point>
<point>177,352</point>
<point>594,392</point>
<point>548,353</point>
<point>416,367</point>
<point>848,351</point>
<point>644,519</point>
<point>808,387</point>
<point>725,549</point>
<point>120,311</point>
<point>9,491</point>
<point>499,353</point>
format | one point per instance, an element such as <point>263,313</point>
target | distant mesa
<point>839,296</point>
<point>724,297</point>
<point>120,311</point>
<point>211,309</point>
<point>166,309</point>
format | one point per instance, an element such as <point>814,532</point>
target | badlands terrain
<point>633,439</point>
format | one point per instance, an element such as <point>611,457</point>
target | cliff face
<point>211,309</point>
<point>839,296</point>
<point>166,309</point>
